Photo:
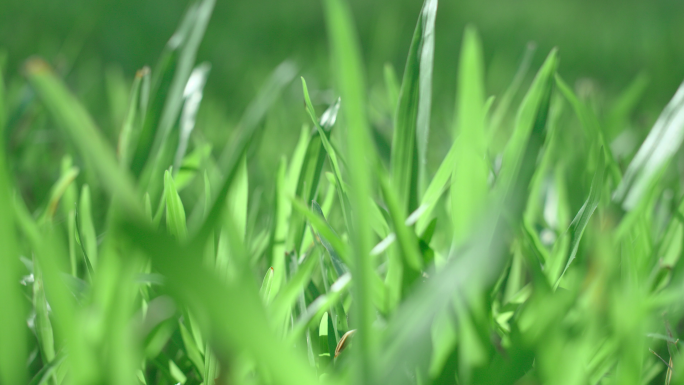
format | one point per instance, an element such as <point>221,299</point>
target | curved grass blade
<point>581,220</point>
<point>46,372</point>
<point>65,181</point>
<point>287,296</point>
<point>660,145</point>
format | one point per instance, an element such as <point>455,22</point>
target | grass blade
<point>581,220</point>
<point>471,169</point>
<point>350,82</point>
<point>660,145</point>
<point>175,213</point>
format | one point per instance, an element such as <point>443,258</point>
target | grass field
<point>532,237</point>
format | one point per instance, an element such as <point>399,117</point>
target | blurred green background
<point>96,45</point>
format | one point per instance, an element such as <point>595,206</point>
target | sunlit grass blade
<point>265,290</point>
<point>469,188</point>
<point>175,213</point>
<point>351,85</point>
<point>412,118</point>
<point>86,229</point>
<point>654,154</point>
<point>192,95</point>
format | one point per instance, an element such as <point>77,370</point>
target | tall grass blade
<point>351,85</point>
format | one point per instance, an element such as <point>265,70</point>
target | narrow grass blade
<point>660,145</point>
<point>412,119</point>
<point>295,285</point>
<point>438,185</point>
<point>405,235</point>
<point>265,290</point>
<point>315,311</point>
<point>46,372</point>
<point>130,129</point>
<point>192,95</point>
<point>351,84</point>
<point>86,228</point>
<point>175,213</point>
<point>58,189</point>
<point>582,218</point>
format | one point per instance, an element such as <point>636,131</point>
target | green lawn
<point>532,236</point>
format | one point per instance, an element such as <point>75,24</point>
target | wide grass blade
<point>660,146</point>
<point>469,187</point>
<point>351,84</point>
<point>13,350</point>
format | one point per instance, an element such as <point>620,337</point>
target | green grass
<point>543,249</point>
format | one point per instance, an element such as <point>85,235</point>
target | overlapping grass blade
<point>412,118</point>
<point>582,218</point>
<point>654,154</point>
<point>351,85</point>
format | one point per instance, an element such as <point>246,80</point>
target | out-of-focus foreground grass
<point>341,192</point>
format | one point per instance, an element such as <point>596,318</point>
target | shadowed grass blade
<point>80,128</point>
<point>582,218</point>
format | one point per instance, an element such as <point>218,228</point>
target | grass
<point>159,257</point>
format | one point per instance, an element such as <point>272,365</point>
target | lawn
<point>344,222</point>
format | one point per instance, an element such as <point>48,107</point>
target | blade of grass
<point>13,351</point>
<point>660,145</point>
<point>175,213</point>
<point>469,180</point>
<point>581,220</point>
<point>350,82</point>
<point>412,119</point>
<point>86,229</point>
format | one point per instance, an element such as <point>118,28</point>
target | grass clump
<point>541,250</point>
